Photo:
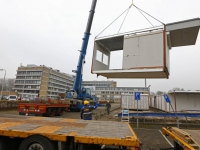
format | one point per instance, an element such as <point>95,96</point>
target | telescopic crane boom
<point>77,87</point>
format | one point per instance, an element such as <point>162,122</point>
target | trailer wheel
<point>4,145</point>
<point>37,142</point>
<point>59,112</point>
<point>21,113</point>
<point>50,112</point>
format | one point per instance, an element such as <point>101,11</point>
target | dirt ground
<point>149,135</point>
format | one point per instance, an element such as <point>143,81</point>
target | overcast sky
<point>49,32</point>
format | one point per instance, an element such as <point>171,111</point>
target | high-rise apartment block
<point>33,80</point>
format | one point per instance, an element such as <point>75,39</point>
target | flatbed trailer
<point>46,109</point>
<point>183,139</point>
<point>43,133</point>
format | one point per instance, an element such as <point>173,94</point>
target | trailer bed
<point>59,129</point>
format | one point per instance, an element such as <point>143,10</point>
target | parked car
<point>25,99</point>
<point>12,98</point>
<point>112,101</point>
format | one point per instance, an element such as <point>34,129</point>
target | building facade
<point>114,93</point>
<point>33,80</point>
<point>100,83</point>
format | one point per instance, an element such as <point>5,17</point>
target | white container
<point>161,104</point>
<point>129,102</point>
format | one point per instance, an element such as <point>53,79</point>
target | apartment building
<point>33,80</point>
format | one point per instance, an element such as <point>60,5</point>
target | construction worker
<point>86,111</point>
<point>108,106</point>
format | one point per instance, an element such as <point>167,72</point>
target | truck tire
<point>50,112</point>
<point>4,145</point>
<point>37,142</point>
<point>59,112</point>
<point>21,113</point>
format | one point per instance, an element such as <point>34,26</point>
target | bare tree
<point>176,89</point>
<point>8,85</point>
<point>152,93</point>
<point>159,93</point>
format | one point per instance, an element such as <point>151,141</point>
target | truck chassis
<point>48,109</point>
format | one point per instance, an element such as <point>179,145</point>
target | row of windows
<point>33,77</point>
<point>60,78</point>
<point>28,77</point>
<point>21,72</point>
<point>57,85</point>
<point>28,81</point>
<point>32,86</point>
<point>107,92</point>
<point>55,89</point>
<point>57,81</point>
<point>122,89</point>
<point>52,93</point>
<point>19,81</point>
<point>33,82</point>
<point>29,72</point>
<point>31,91</point>
<point>34,72</point>
<point>97,85</point>
<point>96,82</point>
<point>28,86</point>
<point>18,86</point>
<point>20,77</point>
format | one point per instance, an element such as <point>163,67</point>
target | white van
<point>12,98</point>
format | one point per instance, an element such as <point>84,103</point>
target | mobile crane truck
<point>40,133</point>
<point>78,94</point>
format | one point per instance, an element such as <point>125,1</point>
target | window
<point>21,72</point>
<point>33,82</point>
<point>99,56</point>
<point>34,72</point>
<point>21,77</point>
<point>19,81</point>
<point>105,59</point>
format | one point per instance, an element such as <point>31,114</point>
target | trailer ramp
<point>187,139</point>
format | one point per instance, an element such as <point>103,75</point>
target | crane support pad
<point>58,129</point>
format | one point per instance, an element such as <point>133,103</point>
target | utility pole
<point>3,82</point>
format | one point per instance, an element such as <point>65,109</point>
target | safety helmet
<point>108,101</point>
<point>86,102</point>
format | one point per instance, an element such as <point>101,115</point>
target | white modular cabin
<point>145,52</point>
<point>181,101</point>
<point>129,102</point>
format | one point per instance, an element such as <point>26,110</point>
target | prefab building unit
<point>145,52</point>
<point>129,102</point>
<point>180,101</point>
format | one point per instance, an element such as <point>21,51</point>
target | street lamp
<point>3,81</point>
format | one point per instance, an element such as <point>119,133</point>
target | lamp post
<point>3,81</point>
<point>149,88</point>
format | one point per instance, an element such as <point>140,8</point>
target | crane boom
<point>77,87</point>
